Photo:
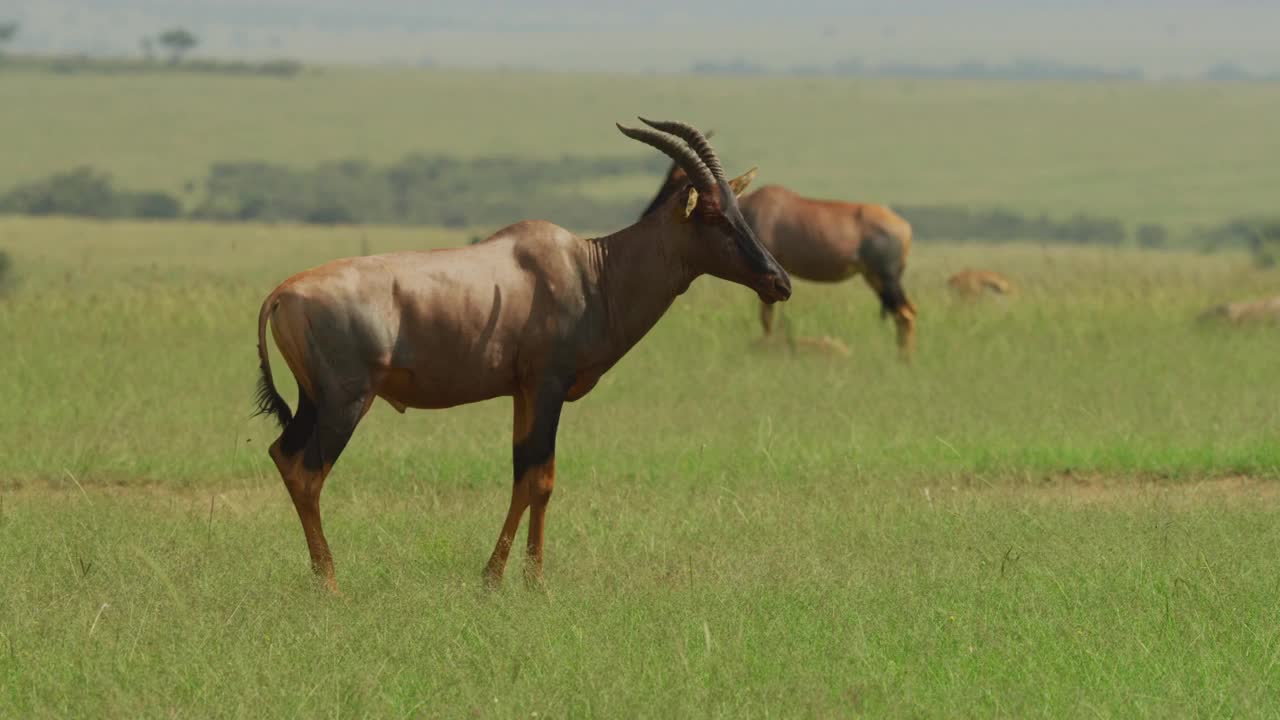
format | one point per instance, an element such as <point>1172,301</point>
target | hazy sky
<point>1158,36</point>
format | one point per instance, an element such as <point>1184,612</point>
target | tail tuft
<point>269,402</point>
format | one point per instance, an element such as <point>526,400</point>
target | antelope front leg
<point>537,416</point>
<point>541,480</point>
<point>498,560</point>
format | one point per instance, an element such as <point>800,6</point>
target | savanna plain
<point>1066,506</point>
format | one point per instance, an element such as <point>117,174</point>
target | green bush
<point>88,193</point>
<point>1152,236</point>
<point>422,190</point>
<point>82,191</point>
<point>1265,247</point>
<point>152,205</point>
<point>1259,236</point>
<point>6,272</point>
<point>946,222</point>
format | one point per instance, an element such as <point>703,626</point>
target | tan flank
<point>1240,313</point>
<point>970,284</point>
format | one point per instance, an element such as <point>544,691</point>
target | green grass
<point>730,597</point>
<point>1064,508</point>
<point>1180,153</point>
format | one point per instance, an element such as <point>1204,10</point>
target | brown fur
<point>1240,313</point>
<point>828,241</point>
<point>970,284</point>
<point>533,312</point>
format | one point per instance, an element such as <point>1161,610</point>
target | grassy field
<point>1175,153</point>
<point>1066,507</point>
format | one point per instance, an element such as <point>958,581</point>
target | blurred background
<point>1091,122</point>
<point>1154,39</point>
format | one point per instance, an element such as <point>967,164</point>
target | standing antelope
<point>826,241</point>
<point>533,312</point>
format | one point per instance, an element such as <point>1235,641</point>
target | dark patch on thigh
<point>334,428</point>
<point>881,255</point>
<point>301,427</point>
<point>340,384</point>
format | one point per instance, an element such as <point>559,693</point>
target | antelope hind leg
<point>305,463</point>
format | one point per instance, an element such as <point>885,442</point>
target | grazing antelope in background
<point>533,312</point>
<point>969,284</point>
<point>1249,311</point>
<point>826,241</point>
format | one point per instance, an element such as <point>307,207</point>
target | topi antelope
<point>533,312</point>
<point>1240,313</point>
<point>826,241</point>
<point>969,284</point>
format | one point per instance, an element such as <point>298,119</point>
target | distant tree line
<point>953,223</point>
<point>1028,69</point>
<point>175,42</point>
<point>86,192</point>
<point>422,190</point>
<point>1259,235</point>
<point>6,273</point>
<point>418,190</point>
<point>1025,69</point>
<point>84,64</point>
<point>489,192</point>
<point>1230,72</point>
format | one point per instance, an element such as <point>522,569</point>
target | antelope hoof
<point>329,585</point>
<point>533,581</point>
<point>492,579</point>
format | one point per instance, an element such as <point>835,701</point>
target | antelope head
<point>705,214</point>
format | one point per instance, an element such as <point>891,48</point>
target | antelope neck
<point>640,271</point>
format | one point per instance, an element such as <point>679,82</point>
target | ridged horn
<point>699,174</point>
<point>697,141</point>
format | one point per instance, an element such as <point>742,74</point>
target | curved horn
<point>701,177</point>
<point>696,140</point>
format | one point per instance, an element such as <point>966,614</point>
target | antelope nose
<point>782,286</point>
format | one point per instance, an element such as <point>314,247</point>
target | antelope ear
<point>740,183</point>
<point>684,213</point>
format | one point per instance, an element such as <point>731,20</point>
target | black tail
<point>269,402</point>
<point>267,399</point>
<point>883,256</point>
<point>892,297</point>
